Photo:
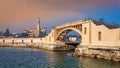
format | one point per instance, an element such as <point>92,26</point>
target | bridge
<point>92,33</point>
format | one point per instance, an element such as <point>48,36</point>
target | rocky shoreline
<point>109,54</point>
<point>50,47</point>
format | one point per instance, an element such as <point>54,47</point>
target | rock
<point>94,53</point>
<point>99,56</point>
<point>73,55</point>
<point>108,58</point>
<point>70,54</point>
<point>76,55</point>
<point>86,55</point>
<point>91,55</point>
<point>116,59</point>
<point>81,51</point>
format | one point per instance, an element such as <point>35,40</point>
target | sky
<point>18,15</point>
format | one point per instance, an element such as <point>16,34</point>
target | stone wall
<point>21,40</point>
<point>109,37</point>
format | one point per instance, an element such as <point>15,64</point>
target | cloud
<point>16,11</point>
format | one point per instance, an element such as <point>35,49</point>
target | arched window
<point>99,36</point>
<point>85,30</point>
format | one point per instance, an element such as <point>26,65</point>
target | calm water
<point>32,58</point>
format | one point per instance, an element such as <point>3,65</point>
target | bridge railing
<point>71,24</point>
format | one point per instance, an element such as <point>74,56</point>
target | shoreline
<point>44,46</point>
<point>80,51</point>
<point>99,53</point>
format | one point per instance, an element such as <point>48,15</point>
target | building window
<point>12,41</point>
<point>80,27</point>
<point>85,30</point>
<point>22,41</point>
<point>31,41</point>
<point>3,41</point>
<point>99,36</point>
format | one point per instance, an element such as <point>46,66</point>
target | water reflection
<point>60,60</point>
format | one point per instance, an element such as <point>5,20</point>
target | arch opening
<point>70,37</point>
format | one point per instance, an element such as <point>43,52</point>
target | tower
<point>38,27</point>
<point>38,23</point>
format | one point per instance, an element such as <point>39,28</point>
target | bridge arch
<point>62,33</point>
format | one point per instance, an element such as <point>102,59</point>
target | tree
<point>7,33</point>
<point>101,21</point>
<point>1,33</point>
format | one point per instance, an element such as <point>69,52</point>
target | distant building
<point>1,34</point>
<point>36,32</point>
<point>72,38</point>
<point>16,35</point>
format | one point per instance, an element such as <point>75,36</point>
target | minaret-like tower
<point>38,27</point>
<point>38,23</point>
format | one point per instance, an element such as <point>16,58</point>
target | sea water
<point>37,58</point>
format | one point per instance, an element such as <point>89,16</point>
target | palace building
<point>38,32</point>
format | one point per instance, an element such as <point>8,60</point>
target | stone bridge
<point>91,33</point>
